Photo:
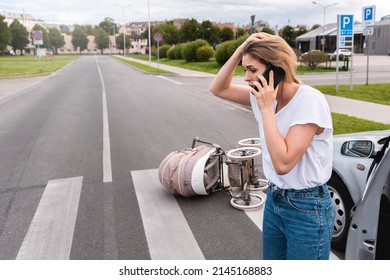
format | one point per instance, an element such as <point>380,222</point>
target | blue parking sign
<point>346,25</point>
<point>368,15</point>
<point>345,31</point>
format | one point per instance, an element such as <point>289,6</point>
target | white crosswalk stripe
<point>168,234</point>
<point>50,234</point>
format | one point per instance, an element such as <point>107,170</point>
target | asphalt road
<point>80,152</point>
<point>72,145</point>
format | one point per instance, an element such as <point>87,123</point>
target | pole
<point>323,25</point>
<point>124,24</point>
<point>368,57</point>
<point>149,39</point>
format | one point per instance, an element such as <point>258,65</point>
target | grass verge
<point>345,124</point>
<point>143,67</point>
<point>29,65</point>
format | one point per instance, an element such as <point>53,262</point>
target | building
<point>378,43</point>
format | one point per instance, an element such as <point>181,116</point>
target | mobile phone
<point>278,75</point>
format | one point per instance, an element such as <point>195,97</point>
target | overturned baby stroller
<point>200,170</point>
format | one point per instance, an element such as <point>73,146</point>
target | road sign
<point>368,16</point>
<point>158,37</point>
<point>37,37</point>
<point>368,31</point>
<point>345,27</point>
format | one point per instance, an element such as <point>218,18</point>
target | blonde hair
<point>274,50</point>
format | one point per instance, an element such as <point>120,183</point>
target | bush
<point>313,58</point>
<point>222,53</point>
<point>163,50</point>
<point>175,51</point>
<point>190,49</point>
<point>170,53</point>
<point>226,49</point>
<point>204,53</point>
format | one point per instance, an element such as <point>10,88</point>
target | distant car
<point>353,156</point>
<point>344,52</point>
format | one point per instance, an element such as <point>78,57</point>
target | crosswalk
<point>169,235</point>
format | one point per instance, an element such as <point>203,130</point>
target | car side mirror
<point>357,148</point>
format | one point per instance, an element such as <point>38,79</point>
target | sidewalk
<point>351,107</point>
<point>355,108</point>
<point>177,70</point>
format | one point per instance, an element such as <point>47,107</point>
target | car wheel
<point>342,204</point>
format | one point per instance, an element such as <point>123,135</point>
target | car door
<point>371,220</point>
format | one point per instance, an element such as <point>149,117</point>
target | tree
<point>189,30</point>
<point>289,35</point>
<point>5,34</point>
<point>19,36</point>
<point>102,39</point>
<point>170,33</point>
<point>79,38</point>
<point>268,30</point>
<point>108,25</point>
<point>56,39</point>
<point>119,41</point>
<point>227,34</point>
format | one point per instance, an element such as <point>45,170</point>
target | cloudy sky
<point>275,12</point>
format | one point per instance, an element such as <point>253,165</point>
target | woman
<point>295,128</point>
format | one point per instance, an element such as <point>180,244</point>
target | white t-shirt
<point>315,168</point>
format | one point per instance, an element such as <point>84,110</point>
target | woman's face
<point>253,68</point>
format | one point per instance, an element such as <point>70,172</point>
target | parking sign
<point>345,27</point>
<point>368,16</point>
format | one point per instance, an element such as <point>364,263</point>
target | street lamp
<point>323,25</point>
<point>124,24</point>
<point>203,30</point>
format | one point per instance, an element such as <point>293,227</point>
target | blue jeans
<point>298,224</point>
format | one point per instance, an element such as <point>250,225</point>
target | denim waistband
<point>321,189</point>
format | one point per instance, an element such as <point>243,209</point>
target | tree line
<point>17,36</point>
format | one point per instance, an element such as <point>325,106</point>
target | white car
<point>369,230</point>
<point>344,52</point>
<point>353,156</point>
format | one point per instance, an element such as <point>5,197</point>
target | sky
<point>275,12</point>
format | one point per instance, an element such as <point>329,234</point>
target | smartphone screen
<point>278,75</point>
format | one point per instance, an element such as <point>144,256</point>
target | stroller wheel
<point>244,153</point>
<point>261,186</point>
<point>255,202</point>
<point>250,142</point>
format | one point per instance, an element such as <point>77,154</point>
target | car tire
<point>342,203</point>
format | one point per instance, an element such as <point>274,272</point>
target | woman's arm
<point>222,84</point>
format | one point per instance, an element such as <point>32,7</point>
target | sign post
<point>38,40</point>
<point>158,37</point>
<point>345,41</point>
<point>368,24</point>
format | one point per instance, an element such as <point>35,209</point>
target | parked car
<point>344,52</point>
<point>369,231</point>
<point>353,156</point>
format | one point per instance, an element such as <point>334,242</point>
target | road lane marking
<point>50,234</point>
<point>170,80</point>
<point>107,169</point>
<point>167,231</point>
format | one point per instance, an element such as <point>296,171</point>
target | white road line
<point>170,80</point>
<point>50,234</point>
<point>167,231</point>
<point>107,170</point>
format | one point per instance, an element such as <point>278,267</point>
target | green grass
<point>29,65</point>
<point>346,124</point>
<point>376,93</point>
<point>143,67</point>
